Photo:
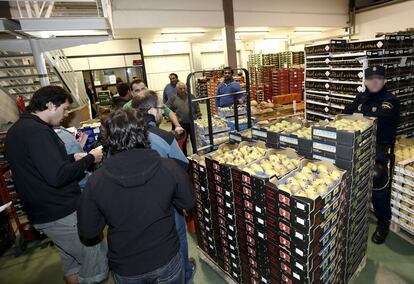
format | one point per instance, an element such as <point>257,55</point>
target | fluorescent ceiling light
<point>219,39</point>
<point>170,41</point>
<point>251,32</point>
<point>307,32</point>
<point>275,38</point>
<point>184,33</point>
<point>51,34</point>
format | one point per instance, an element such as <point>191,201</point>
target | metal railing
<point>59,61</point>
<point>62,8</point>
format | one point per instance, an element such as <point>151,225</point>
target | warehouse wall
<point>8,109</point>
<point>386,19</point>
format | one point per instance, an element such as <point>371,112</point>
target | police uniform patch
<point>387,105</point>
<point>374,109</point>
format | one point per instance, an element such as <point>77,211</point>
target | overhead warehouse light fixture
<point>276,38</point>
<point>307,31</point>
<point>251,32</point>
<point>184,33</point>
<point>170,41</point>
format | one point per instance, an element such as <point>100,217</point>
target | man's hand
<point>179,130</point>
<point>97,154</point>
<point>78,156</point>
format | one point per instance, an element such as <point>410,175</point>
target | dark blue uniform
<point>386,108</point>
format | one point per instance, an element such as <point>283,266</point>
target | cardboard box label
<point>324,147</point>
<point>289,140</point>
<point>324,133</point>
<point>259,133</point>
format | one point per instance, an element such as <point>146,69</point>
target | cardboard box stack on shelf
<point>335,74</point>
<point>349,143</point>
<point>295,220</point>
<point>402,195</point>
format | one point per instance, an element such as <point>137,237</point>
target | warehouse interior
<point>95,42</point>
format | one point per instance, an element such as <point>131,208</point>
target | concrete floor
<point>392,263</point>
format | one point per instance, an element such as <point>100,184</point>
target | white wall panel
<point>103,62</point>
<point>386,19</point>
<point>159,67</point>
<point>79,63</point>
<point>108,47</point>
<point>215,60</point>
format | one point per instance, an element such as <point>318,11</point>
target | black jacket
<point>382,105</point>
<point>46,176</point>
<point>134,193</point>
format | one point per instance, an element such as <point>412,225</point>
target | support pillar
<point>229,31</point>
<point>40,62</point>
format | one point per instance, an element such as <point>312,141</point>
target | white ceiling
<point>215,34</point>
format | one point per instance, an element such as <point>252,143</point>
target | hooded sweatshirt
<point>134,193</point>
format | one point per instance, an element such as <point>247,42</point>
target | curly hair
<point>124,129</point>
<point>54,94</point>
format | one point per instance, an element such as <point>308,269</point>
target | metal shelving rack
<point>192,88</point>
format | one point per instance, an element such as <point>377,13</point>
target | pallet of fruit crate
<point>213,265</point>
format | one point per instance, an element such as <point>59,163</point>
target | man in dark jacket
<point>135,192</point>
<point>377,102</point>
<point>47,180</point>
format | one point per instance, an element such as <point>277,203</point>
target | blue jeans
<point>180,226</point>
<point>171,273</point>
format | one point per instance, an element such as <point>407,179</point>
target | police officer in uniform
<point>377,102</point>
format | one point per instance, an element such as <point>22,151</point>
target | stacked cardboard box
<point>280,82</point>
<point>205,207</point>
<point>250,198</point>
<point>304,233</point>
<point>229,249</point>
<point>349,143</point>
<point>295,225</point>
<point>335,74</point>
<point>296,77</point>
<point>402,198</point>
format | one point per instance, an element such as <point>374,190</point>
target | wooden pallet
<point>360,268</point>
<point>207,260</point>
<point>399,231</point>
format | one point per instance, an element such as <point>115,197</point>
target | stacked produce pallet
<point>335,74</point>
<point>219,168</point>
<point>296,77</point>
<point>285,59</point>
<point>206,208</point>
<point>303,214</point>
<point>317,82</point>
<point>298,58</point>
<point>280,82</point>
<point>349,143</point>
<point>296,220</point>
<point>402,195</point>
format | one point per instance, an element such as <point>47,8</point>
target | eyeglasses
<point>160,107</point>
